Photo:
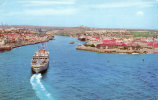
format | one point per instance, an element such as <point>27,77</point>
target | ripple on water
<point>78,75</point>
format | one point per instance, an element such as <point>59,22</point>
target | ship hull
<point>41,69</point>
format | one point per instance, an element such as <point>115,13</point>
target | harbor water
<point>78,75</point>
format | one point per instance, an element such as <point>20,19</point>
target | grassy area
<point>63,34</point>
<point>116,32</point>
<point>89,45</point>
<point>143,34</point>
<point>42,33</point>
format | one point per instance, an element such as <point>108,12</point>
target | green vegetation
<point>63,34</point>
<point>89,45</point>
<point>1,35</point>
<point>73,35</point>
<point>124,48</point>
<point>86,45</point>
<point>116,32</point>
<point>52,38</point>
<point>42,33</point>
<point>89,34</point>
<point>143,34</point>
<point>92,45</point>
<point>138,47</point>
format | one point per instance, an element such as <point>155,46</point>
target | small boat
<point>72,42</point>
<point>40,61</point>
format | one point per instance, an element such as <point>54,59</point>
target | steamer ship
<point>40,61</point>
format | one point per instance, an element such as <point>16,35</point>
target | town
<point>16,37</point>
<point>101,40</point>
<point>119,41</point>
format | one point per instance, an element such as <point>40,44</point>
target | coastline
<point>15,45</point>
<point>82,47</point>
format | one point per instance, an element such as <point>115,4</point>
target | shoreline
<point>15,45</point>
<point>116,50</point>
<point>81,47</point>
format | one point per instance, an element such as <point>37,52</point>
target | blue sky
<point>141,14</point>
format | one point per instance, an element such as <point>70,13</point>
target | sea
<point>78,75</point>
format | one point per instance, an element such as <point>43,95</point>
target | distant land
<point>50,28</point>
<point>105,40</point>
<point>70,31</point>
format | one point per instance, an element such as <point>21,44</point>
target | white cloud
<point>47,2</point>
<point>128,4</point>
<point>140,13</point>
<point>42,12</point>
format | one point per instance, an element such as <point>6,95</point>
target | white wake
<point>39,88</point>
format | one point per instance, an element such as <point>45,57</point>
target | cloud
<point>140,13</point>
<point>119,5</point>
<point>42,12</point>
<point>47,2</point>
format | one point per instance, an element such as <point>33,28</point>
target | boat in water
<point>40,61</point>
<point>72,42</point>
